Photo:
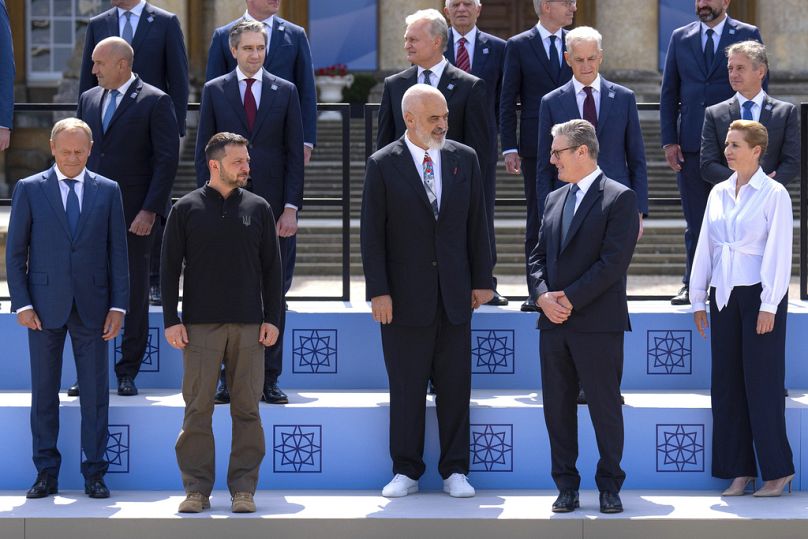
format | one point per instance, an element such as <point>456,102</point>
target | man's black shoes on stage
<point>566,502</point>
<point>498,300</point>
<point>682,297</point>
<point>529,307</point>
<point>96,488</point>
<point>45,485</point>
<point>272,394</point>
<point>222,395</point>
<point>73,391</point>
<point>126,387</point>
<point>610,502</point>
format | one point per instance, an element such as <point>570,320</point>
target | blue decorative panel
<point>670,352</point>
<point>297,448</point>
<point>344,32</point>
<point>491,448</point>
<point>117,453</point>
<point>492,351</point>
<point>151,357</point>
<point>314,351</point>
<point>680,448</point>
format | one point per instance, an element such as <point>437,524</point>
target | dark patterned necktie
<point>569,212</point>
<point>747,110</point>
<point>555,62</point>
<point>462,59</point>
<point>250,107</point>
<point>429,183</point>
<point>709,49</point>
<point>590,112</point>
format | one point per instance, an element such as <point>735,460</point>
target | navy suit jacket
<point>622,152</point>
<point>275,144</point>
<point>160,57</point>
<point>488,63</point>
<point>6,70</point>
<point>288,57</point>
<point>783,154</point>
<point>49,269</point>
<point>688,86</point>
<point>590,266</point>
<point>465,97</point>
<point>410,255</point>
<point>526,78</point>
<point>140,149</point>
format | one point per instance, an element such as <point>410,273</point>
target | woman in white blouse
<point>743,257</point>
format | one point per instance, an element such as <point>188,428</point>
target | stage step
<point>339,440</point>
<point>365,514</point>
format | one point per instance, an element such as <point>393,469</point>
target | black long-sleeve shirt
<point>233,270</point>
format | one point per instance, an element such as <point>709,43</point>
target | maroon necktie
<point>590,113</point>
<point>463,55</point>
<point>250,108</point>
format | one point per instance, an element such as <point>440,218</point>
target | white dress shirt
<point>256,86</point>
<point>437,71</point>
<point>134,18</point>
<point>756,108</point>
<point>718,29</point>
<point>418,158</point>
<point>744,241</point>
<point>580,95</point>
<point>584,184</point>
<point>545,40</point>
<point>267,22</point>
<point>121,92</point>
<point>471,40</point>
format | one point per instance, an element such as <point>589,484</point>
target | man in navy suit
<point>156,37</point>
<point>67,273</point>
<point>6,78</point>
<point>747,66</point>
<point>578,281</point>
<point>482,55</point>
<point>533,67</point>
<point>611,108</point>
<point>136,144</point>
<point>265,109</point>
<point>695,77</point>
<point>427,265</point>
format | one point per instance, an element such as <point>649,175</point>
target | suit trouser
<point>90,352</point>
<point>412,355</point>
<point>748,375</point>
<point>243,361</point>
<point>490,192</point>
<point>273,356</point>
<point>136,323</point>
<point>694,192</point>
<point>533,219</point>
<point>596,359</point>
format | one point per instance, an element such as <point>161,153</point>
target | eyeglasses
<point>568,3</point>
<point>557,153</point>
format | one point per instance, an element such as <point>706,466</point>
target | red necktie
<point>590,113</point>
<point>250,108</point>
<point>462,60</point>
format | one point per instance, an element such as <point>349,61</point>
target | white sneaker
<point>400,486</point>
<point>457,486</point>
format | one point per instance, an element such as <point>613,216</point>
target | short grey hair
<point>70,124</point>
<point>583,34</point>
<point>119,47</point>
<point>754,50</point>
<point>415,93</point>
<point>476,3</point>
<point>537,6</point>
<point>579,133</point>
<point>245,25</point>
<point>438,27</point>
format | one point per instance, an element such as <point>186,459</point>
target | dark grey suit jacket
<point>783,155</point>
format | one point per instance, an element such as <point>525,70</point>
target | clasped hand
<point>556,306</point>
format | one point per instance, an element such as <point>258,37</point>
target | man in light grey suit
<point>747,66</point>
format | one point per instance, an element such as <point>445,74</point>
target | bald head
<point>426,116</point>
<point>112,62</point>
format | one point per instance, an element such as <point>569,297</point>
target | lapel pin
<point>485,51</point>
<point>281,28</point>
<point>732,31</point>
<point>133,95</point>
<point>150,19</point>
<point>450,87</point>
<point>611,94</point>
<point>274,87</point>
<point>768,106</point>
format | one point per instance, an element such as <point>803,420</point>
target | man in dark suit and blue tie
<point>695,77</point>
<point>67,273</point>
<point>747,66</point>
<point>265,109</point>
<point>533,67</point>
<point>136,144</point>
<point>611,108</point>
<point>578,282</point>
<point>482,55</point>
<point>427,265</point>
<point>6,78</point>
<point>156,37</point>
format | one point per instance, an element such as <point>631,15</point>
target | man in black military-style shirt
<point>232,293</point>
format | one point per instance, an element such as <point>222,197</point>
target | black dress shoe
<point>529,307</point>
<point>498,300</point>
<point>682,297</point>
<point>610,502</point>
<point>273,394</point>
<point>95,488</point>
<point>222,395</point>
<point>73,391</point>
<point>566,502</point>
<point>126,387</point>
<point>44,485</point>
<point>154,295</point>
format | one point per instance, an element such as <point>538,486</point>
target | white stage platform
<point>361,514</point>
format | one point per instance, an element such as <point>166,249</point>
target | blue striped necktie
<point>72,209</point>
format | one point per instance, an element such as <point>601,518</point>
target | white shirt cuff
<point>287,205</point>
<point>26,308</point>
<point>512,150</point>
<point>696,307</point>
<point>768,307</point>
<point>308,145</point>
<point>117,309</point>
